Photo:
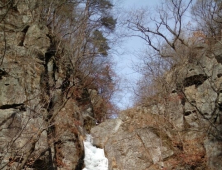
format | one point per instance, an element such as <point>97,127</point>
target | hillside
<point>180,130</point>
<point>57,83</point>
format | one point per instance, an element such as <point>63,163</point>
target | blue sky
<point>126,56</point>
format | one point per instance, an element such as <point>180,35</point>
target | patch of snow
<point>94,157</point>
<point>118,123</point>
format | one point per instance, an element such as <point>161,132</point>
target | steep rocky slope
<point>176,130</point>
<point>45,109</point>
<point>43,115</point>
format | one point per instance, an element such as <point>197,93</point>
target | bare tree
<point>208,16</point>
<point>164,28</point>
<point>75,62</point>
<point>178,83</point>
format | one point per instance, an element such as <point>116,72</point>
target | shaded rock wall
<point>181,129</point>
<point>42,123</point>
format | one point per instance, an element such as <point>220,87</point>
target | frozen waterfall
<point>94,157</point>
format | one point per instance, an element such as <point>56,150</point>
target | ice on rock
<point>94,157</point>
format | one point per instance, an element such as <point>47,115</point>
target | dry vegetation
<point>62,47</point>
<point>166,89</point>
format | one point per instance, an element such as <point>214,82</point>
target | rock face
<point>182,129</point>
<point>45,111</point>
<point>131,143</point>
<point>42,123</point>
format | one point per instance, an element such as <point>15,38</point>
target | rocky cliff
<point>44,109</point>
<point>180,129</point>
<point>47,106</point>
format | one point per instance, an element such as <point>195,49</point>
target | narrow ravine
<point>94,157</point>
